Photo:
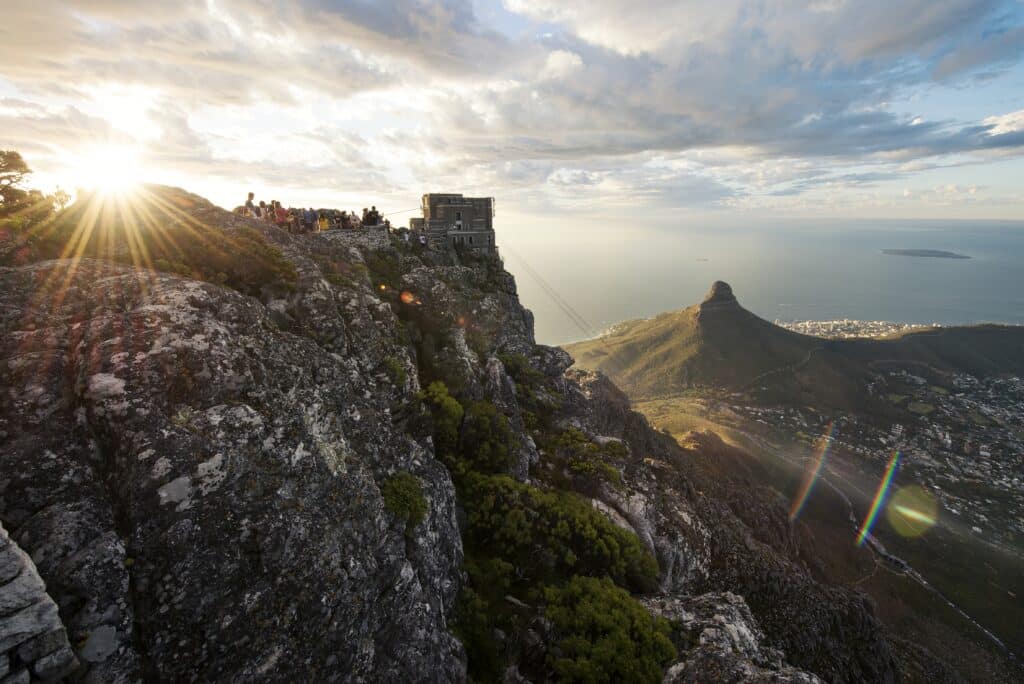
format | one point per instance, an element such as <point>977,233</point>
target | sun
<point>108,169</point>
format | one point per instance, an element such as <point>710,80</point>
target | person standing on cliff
<point>250,206</point>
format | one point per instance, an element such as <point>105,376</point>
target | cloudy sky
<point>739,108</point>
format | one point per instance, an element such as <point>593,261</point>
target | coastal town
<point>963,442</point>
<point>848,328</point>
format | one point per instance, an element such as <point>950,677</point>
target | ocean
<point>580,282</point>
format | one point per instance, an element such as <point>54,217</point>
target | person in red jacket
<point>280,215</point>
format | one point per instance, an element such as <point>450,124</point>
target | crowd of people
<point>309,220</point>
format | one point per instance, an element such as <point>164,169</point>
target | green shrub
<point>589,460</point>
<point>537,414</point>
<point>478,342</point>
<point>605,635</point>
<point>481,610</point>
<point>485,441</point>
<point>518,366</point>
<point>551,534</point>
<point>403,496</point>
<point>395,370</point>
<point>338,271</point>
<point>385,267</point>
<point>447,415</point>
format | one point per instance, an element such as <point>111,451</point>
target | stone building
<point>451,220</point>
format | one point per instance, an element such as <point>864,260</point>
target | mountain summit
<point>720,293</point>
<point>718,343</point>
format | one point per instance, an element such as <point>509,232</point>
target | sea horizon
<point>782,271</point>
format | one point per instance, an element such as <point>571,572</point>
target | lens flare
<point>876,505</point>
<point>811,476</point>
<point>912,511</point>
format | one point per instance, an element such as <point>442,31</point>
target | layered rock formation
<point>33,642</point>
<point>201,475</point>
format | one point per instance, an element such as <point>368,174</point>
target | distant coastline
<point>925,253</point>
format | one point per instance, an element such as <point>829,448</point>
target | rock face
<point>201,490</point>
<point>33,642</point>
<point>722,642</point>
<point>198,476</point>
<point>720,293</point>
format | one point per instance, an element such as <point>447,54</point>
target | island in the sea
<point>927,253</point>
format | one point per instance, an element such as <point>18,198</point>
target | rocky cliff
<point>368,471</point>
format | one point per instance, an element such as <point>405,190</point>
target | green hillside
<point>718,343</point>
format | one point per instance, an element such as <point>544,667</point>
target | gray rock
<point>721,642</point>
<point>30,627</point>
<point>19,627</point>
<point>21,591</point>
<point>101,643</point>
<point>279,543</point>
<point>19,676</point>
<point>56,665</point>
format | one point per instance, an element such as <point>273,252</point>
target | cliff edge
<point>361,466</point>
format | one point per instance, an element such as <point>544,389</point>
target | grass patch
<point>920,408</point>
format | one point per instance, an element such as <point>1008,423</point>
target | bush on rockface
<point>537,413</point>
<point>395,370</point>
<point>604,635</point>
<point>385,267</point>
<point>446,413</point>
<point>485,440</point>
<point>403,496</point>
<point>551,535</point>
<point>519,539</point>
<point>586,459</point>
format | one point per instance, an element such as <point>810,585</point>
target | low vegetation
<point>403,496</point>
<point>532,550</point>
<point>604,635</point>
<point>159,228</point>
<point>588,460</point>
<point>396,371</point>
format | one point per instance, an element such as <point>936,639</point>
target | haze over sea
<point>794,270</point>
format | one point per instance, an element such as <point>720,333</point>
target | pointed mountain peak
<point>720,293</point>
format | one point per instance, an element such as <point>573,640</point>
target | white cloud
<point>560,64</point>
<point>707,102</point>
<point>1006,123</point>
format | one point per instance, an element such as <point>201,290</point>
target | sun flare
<point>109,169</point>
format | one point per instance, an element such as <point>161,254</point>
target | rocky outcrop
<point>721,642</point>
<point>202,490</point>
<point>719,294</point>
<point>33,642</point>
<point>199,474</point>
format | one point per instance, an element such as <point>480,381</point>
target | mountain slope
<point>718,343</point>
